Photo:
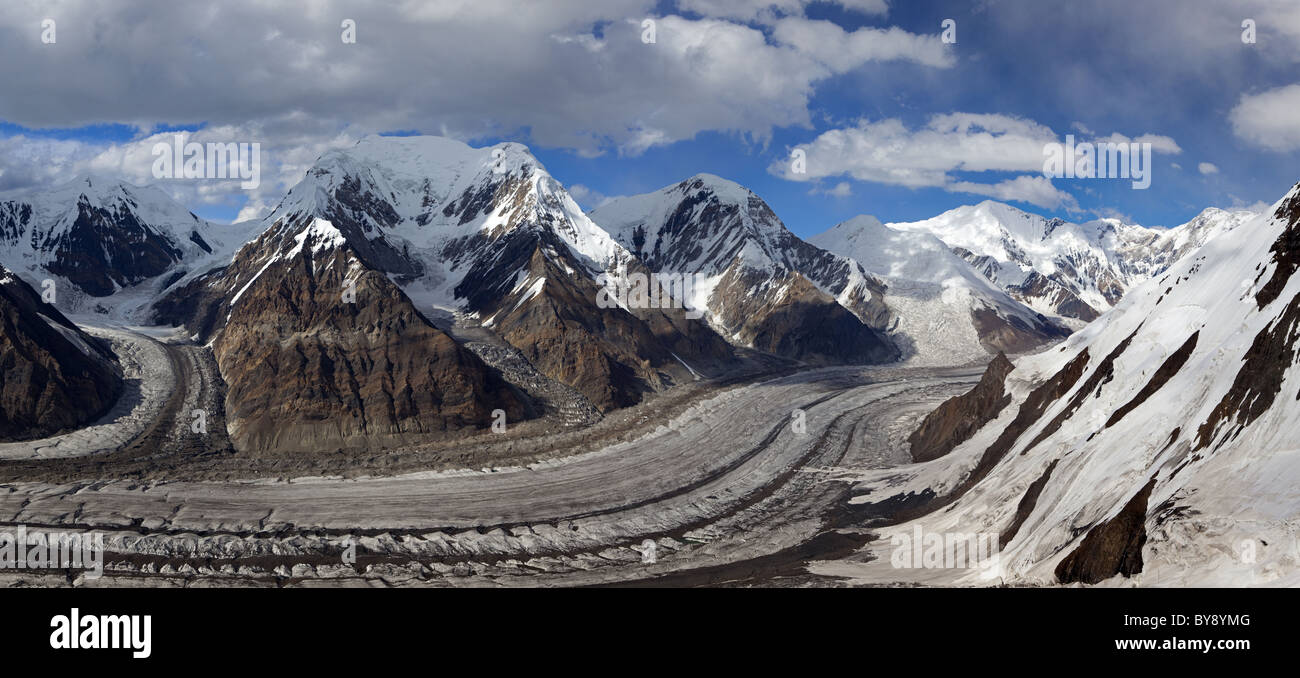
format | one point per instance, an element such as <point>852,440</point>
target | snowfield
<point>1224,499</point>
<point>932,290</point>
<point>1094,260</point>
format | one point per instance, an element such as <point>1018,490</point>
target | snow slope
<point>1171,457</point>
<point>933,291</point>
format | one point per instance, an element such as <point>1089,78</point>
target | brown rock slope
<point>320,352</point>
<point>53,376</point>
<point>613,356</point>
<point>958,418</point>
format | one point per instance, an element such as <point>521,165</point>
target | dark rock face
<point>610,355</point>
<point>958,418</point>
<point>1112,547</point>
<point>48,383</point>
<point>1104,374</point>
<point>1285,250</point>
<point>1259,381</point>
<point>777,293</point>
<point>1163,374</point>
<point>1059,290</point>
<point>793,319</point>
<point>1063,300</point>
<point>352,201</point>
<point>1012,333</point>
<point>320,352</point>
<point>1035,405</point>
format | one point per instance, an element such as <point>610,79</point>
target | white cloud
<point>1112,213</point>
<point>840,190</point>
<point>758,10</point>
<point>289,146</point>
<point>1269,119</point>
<point>1035,190</point>
<point>1258,207</point>
<point>842,51</point>
<point>1159,143</point>
<point>1207,168</point>
<point>589,198</point>
<point>888,152</point>
<point>569,73</point>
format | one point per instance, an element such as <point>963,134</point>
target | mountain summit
<point>762,287</point>
<point>1059,268</point>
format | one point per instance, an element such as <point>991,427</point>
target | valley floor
<point>710,484</point>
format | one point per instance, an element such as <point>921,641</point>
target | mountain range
<point>356,312</point>
<point>1157,442</point>
<point>1073,271</point>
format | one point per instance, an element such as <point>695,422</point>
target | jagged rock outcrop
<point>1075,271</point>
<point>761,286</point>
<point>954,421</point>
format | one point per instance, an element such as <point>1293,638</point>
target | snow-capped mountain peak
<point>102,236</point>
<point>428,209</point>
<point>947,311</point>
<point>754,268</point>
<point>1061,268</point>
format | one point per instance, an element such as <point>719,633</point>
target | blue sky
<point>729,88</point>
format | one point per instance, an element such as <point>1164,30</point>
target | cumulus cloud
<point>1033,190</point>
<point>1112,213</point>
<point>568,73</point>
<point>841,50</point>
<point>840,190</point>
<point>1269,119</point>
<point>589,198</point>
<point>757,10</point>
<point>1207,168</point>
<point>1159,143</point>
<point>1237,203</point>
<point>888,152</point>
<point>288,147</point>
